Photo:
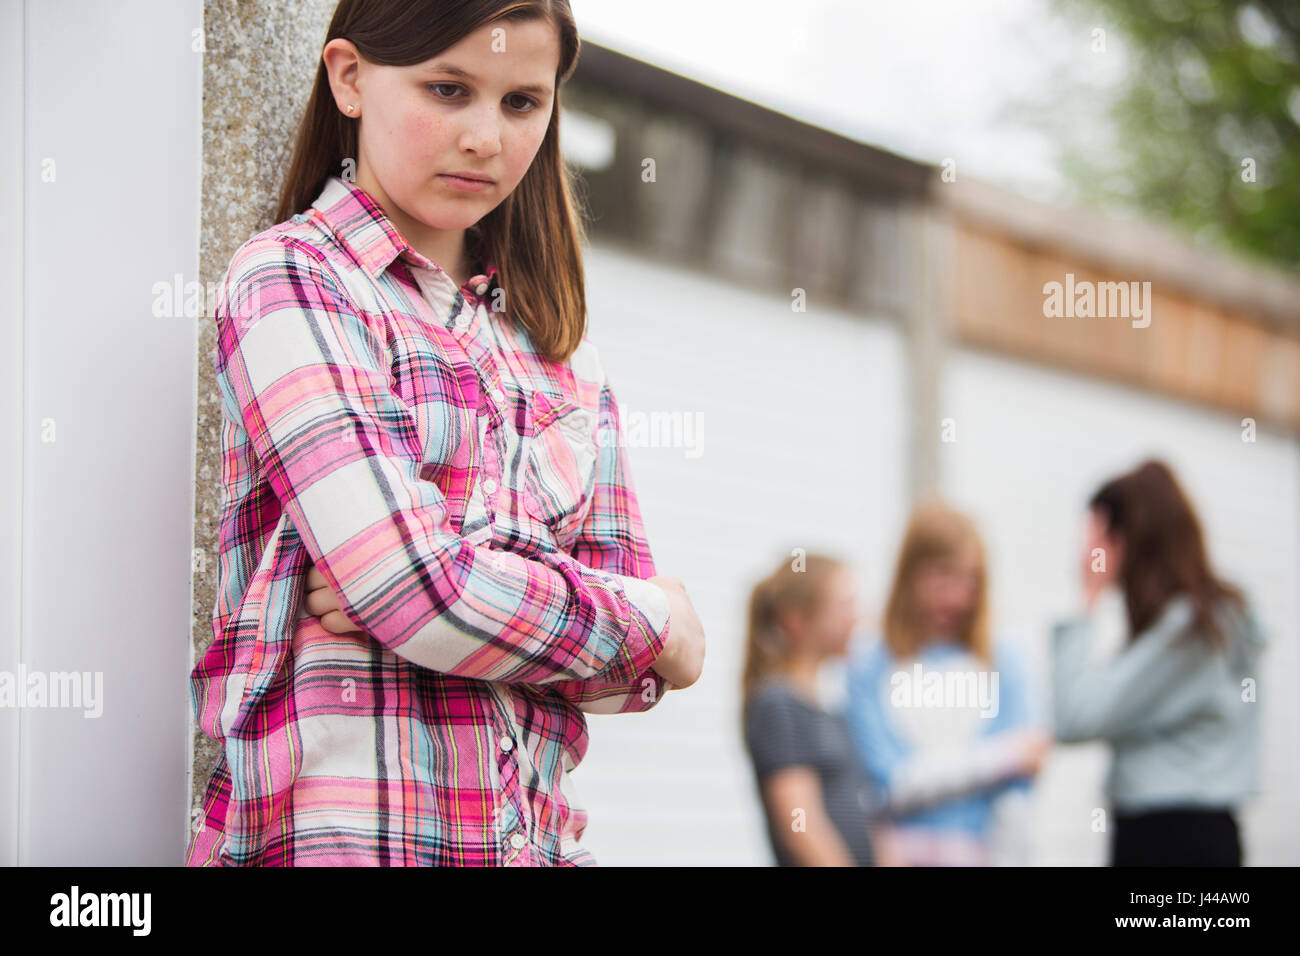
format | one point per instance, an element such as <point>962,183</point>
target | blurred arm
<point>1151,685</point>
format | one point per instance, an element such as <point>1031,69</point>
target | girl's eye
<point>528,105</point>
<point>521,104</point>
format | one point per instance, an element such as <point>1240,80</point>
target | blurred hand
<point>1099,564</point>
<point>682,659</point>
<point>886,849</point>
<point>323,603</point>
<point>1094,583</point>
<point>1032,747</point>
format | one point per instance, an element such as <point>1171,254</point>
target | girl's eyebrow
<point>539,89</point>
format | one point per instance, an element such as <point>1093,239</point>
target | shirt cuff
<point>649,633</point>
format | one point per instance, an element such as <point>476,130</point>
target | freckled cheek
<point>420,136</point>
<point>518,157</point>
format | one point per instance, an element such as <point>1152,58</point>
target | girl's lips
<point>460,182</point>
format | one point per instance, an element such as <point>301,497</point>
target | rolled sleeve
<point>613,539</point>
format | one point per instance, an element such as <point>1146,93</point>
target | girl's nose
<point>483,136</point>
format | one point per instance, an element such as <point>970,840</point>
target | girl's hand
<point>323,603</point>
<point>1093,586</point>
<point>1032,747</point>
<point>886,849</point>
<point>682,659</point>
<point>1099,562</point>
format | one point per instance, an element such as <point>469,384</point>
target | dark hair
<point>1164,550</point>
<point>534,235</point>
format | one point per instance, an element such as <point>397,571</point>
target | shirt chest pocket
<point>559,457</point>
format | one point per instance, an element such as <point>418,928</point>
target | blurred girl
<point>940,717</point>
<point>817,802</point>
<point>1178,703</point>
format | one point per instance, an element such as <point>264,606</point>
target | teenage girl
<point>820,808</point>
<point>414,415</point>
<point>1178,703</point>
<point>940,716</point>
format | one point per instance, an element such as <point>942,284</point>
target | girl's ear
<point>790,622</point>
<point>343,66</point>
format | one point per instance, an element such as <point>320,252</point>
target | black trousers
<point>1176,837</point>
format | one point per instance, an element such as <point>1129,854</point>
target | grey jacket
<point>1180,716</point>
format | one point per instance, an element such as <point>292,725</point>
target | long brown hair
<point>797,584</point>
<point>936,532</point>
<point>1163,549</point>
<point>534,236</point>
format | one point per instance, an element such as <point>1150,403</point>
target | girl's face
<point>480,107</point>
<point>828,632</point>
<point>946,591</point>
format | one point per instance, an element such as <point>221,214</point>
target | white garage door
<point>801,446</point>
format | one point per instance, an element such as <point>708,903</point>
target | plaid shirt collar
<point>365,230</point>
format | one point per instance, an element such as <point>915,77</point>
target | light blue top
<point>966,784</point>
<point>1180,716</point>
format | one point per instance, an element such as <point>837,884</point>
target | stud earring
<point>352,107</point>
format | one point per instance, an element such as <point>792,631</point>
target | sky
<point>929,79</point>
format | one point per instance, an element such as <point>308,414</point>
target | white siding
<point>113,100</point>
<point>12,247</point>
<point>802,447</point>
<point>1032,445</point>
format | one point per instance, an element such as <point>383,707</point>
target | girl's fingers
<point>337,623</point>
<point>321,601</point>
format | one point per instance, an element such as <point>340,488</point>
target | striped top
<point>470,502</point>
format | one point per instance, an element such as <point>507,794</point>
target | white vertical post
<point>110,179</point>
<point>12,418</point>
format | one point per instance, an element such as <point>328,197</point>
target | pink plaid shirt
<point>471,504</point>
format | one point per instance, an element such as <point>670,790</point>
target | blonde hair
<point>796,584</point>
<point>935,532</point>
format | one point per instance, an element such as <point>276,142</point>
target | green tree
<point>1206,127</point>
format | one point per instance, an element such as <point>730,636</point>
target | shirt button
<point>498,396</point>
<point>489,486</point>
<point>517,840</point>
<point>506,743</point>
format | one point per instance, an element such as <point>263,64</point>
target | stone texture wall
<point>258,64</point>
